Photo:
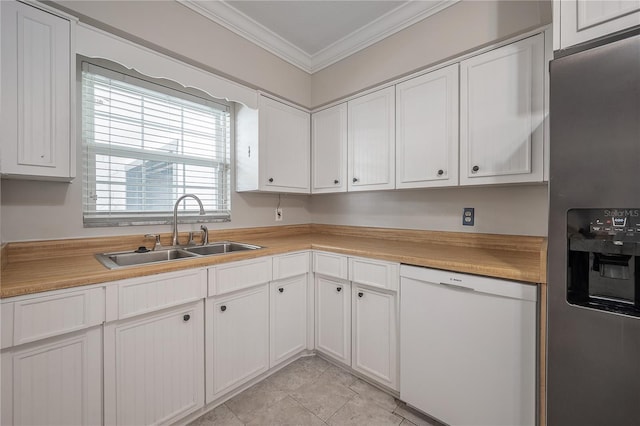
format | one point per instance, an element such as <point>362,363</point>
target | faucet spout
<point>174,241</point>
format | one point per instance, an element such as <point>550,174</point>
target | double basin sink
<point>123,259</point>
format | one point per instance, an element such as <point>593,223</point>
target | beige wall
<point>460,28</point>
<point>516,209</point>
<point>175,29</point>
<point>49,210</point>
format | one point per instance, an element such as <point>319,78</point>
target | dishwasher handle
<point>457,287</point>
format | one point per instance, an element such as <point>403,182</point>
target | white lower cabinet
<point>54,381</point>
<point>288,315</point>
<point>374,328</point>
<point>237,339</point>
<point>154,366</point>
<point>333,318</point>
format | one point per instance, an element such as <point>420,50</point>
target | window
<point>145,145</point>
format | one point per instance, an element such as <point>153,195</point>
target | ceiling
<point>313,34</point>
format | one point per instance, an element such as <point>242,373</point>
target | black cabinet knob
<point>270,179</point>
<point>355,180</point>
<point>281,290</point>
<point>338,289</point>
<point>360,294</point>
<point>440,172</point>
<point>336,181</point>
<point>186,317</point>
<point>223,308</point>
<point>474,169</point>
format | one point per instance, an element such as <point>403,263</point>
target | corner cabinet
<point>272,148</point>
<point>579,21</point>
<point>427,130</point>
<point>371,130</point>
<point>501,114</point>
<point>37,85</point>
<point>329,150</point>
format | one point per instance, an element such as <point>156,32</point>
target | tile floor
<point>311,391</point>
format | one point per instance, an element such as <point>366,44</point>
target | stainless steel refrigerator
<point>593,340</point>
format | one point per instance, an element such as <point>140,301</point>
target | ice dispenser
<point>603,270</point>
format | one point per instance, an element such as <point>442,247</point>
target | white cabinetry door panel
<point>288,300</point>
<point>55,381</point>
<point>375,335</point>
<point>584,20</point>
<point>329,150</point>
<point>333,318</point>
<point>40,317</point>
<point>154,366</point>
<point>371,132</point>
<point>286,151</point>
<point>36,93</point>
<point>290,265</point>
<point>237,339</point>
<point>501,114</point>
<point>427,130</point>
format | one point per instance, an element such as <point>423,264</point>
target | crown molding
<point>229,17</point>
<point>388,24</point>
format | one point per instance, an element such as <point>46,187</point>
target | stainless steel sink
<point>220,248</point>
<point>123,259</point>
<point>132,258</point>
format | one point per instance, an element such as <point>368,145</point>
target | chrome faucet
<point>174,241</point>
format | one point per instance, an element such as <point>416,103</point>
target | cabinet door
<point>329,143</point>
<point>371,132</point>
<point>55,381</point>
<point>427,130</point>
<point>288,316</point>
<point>285,144</point>
<point>36,94</point>
<point>375,347</point>
<point>333,318</point>
<point>238,340</point>
<point>501,114</point>
<point>584,20</point>
<point>154,367</point>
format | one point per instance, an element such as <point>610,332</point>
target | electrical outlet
<point>279,214</point>
<point>468,216</point>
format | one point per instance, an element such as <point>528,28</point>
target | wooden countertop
<point>32,267</point>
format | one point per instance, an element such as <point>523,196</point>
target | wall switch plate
<point>468,216</point>
<point>279,214</point>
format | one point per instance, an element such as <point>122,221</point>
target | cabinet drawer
<point>42,317</point>
<point>375,273</point>
<point>331,265</point>
<point>290,265</point>
<point>238,275</point>
<point>141,295</point>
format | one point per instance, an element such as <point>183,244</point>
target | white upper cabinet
<point>272,148</point>
<point>38,135</point>
<point>329,150</point>
<point>427,130</point>
<point>501,114</point>
<point>578,21</point>
<point>371,132</point>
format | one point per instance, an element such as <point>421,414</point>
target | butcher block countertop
<point>37,266</point>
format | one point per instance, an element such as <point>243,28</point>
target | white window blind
<point>145,145</point>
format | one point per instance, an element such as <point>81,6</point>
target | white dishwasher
<point>468,347</point>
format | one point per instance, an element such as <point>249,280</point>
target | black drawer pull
<point>360,294</point>
<point>223,308</point>
<point>186,317</point>
<point>338,289</point>
<point>281,290</point>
